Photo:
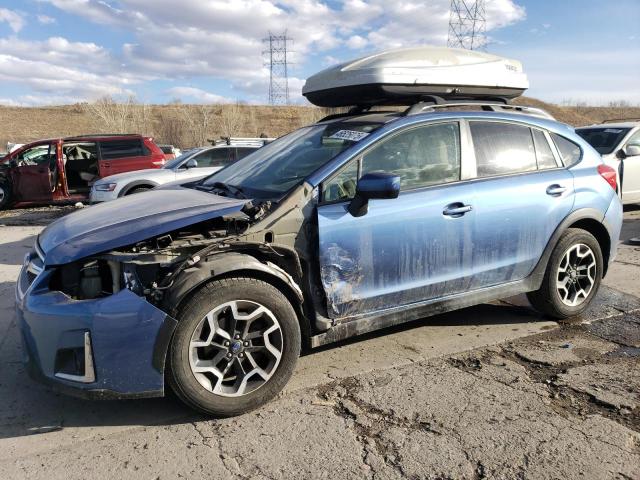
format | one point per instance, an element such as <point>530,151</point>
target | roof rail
<point>230,140</point>
<point>620,120</point>
<point>497,105</point>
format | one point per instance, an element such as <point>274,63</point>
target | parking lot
<point>493,391</point>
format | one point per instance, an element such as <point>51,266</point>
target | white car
<point>619,145</point>
<point>191,165</point>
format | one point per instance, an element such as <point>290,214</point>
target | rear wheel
<point>5,195</point>
<point>235,346</point>
<point>572,278</point>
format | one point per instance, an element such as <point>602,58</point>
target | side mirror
<point>373,186</point>
<point>191,163</point>
<point>631,150</point>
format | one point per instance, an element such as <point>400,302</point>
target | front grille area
<point>33,266</point>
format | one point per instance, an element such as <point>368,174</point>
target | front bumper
<point>125,337</point>
<point>98,196</point>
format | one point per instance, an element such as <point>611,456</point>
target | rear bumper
<point>127,340</point>
<point>613,223</point>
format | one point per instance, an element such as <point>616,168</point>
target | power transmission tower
<point>467,25</point>
<point>277,48</point>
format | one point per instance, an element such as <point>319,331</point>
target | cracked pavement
<point>493,391</point>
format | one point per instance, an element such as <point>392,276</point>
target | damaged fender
<point>223,263</point>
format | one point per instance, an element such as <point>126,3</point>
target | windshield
<point>274,169</point>
<point>178,160</point>
<point>604,140</point>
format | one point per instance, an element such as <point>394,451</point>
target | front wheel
<point>235,346</point>
<point>572,277</point>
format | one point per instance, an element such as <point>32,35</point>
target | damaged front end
<point>100,325</point>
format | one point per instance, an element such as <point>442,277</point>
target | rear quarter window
<point>121,149</point>
<point>570,152</point>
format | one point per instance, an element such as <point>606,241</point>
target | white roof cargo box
<point>404,76</point>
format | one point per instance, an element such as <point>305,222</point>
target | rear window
<point>121,149</point>
<point>570,153</point>
<point>502,148</point>
<point>603,140</point>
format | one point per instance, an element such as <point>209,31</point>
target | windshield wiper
<point>232,189</point>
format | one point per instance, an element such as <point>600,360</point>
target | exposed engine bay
<point>149,267</point>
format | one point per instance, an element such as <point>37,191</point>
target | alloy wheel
<point>576,274</point>
<point>236,348</point>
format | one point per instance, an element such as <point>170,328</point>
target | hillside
<point>188,125</point>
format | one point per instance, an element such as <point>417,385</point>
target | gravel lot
<point>493,391</point>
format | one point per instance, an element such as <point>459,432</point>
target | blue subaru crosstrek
<point>358,222</point>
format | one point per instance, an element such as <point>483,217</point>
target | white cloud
<point>45,19</point>
<point>357,42</point>
<point>14,19</point>
<point>197,95</point>
<point>223,39</point>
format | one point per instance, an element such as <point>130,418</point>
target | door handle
<point>456,210</point>
<point>556,190</point>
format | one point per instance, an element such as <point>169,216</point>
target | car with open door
<point>361,221</point>
<point>63,170</point>
<point>618,141</point>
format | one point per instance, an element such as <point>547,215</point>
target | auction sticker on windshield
<point>352,135</point>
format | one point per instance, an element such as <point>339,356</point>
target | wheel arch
<point>599,231</point>
<point>138,183</point>
<point>236,264</point>
<point>590,220</point>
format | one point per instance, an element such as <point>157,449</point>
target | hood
<point>129,220</point>
<point>118,177</point>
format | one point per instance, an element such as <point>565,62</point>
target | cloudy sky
<point>65,51</point>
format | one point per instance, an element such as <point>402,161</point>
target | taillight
<point>609,174</point>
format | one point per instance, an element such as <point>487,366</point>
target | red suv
<point>63,170</point>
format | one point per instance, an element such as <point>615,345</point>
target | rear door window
<point>215,157</point>
<point>502,148</point>
<point>570,153</point>
<point>111,150</point>
<point>242,152</point>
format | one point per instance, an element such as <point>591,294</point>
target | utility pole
<point>276,51</point>
<point>467,25</point>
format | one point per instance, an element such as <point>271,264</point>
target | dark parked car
<point>358,222</point>
<point>63,170</point>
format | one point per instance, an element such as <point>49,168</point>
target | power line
<point>276,51</point>
<point>467,25</point>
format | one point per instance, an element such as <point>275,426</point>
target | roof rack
<point>497,104</point>
<point>620,120</point>
<point>99,135</point>
<point>230,140</point>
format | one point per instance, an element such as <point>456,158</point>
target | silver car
<point>191,165</point>
<point>619,145</point>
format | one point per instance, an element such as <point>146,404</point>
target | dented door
<point>402,251</point>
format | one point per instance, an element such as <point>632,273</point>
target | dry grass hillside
<point>189,125</point>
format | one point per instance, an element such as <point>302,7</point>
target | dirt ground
<point>493,391</point>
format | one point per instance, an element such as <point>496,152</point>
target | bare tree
<point>230,119</point>
<point>127,116</point>
<point>198,122</point>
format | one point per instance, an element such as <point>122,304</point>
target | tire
<point>5,195</point>
<point>199,352</point>
<point>137,190</point>
<point>577,263</point>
